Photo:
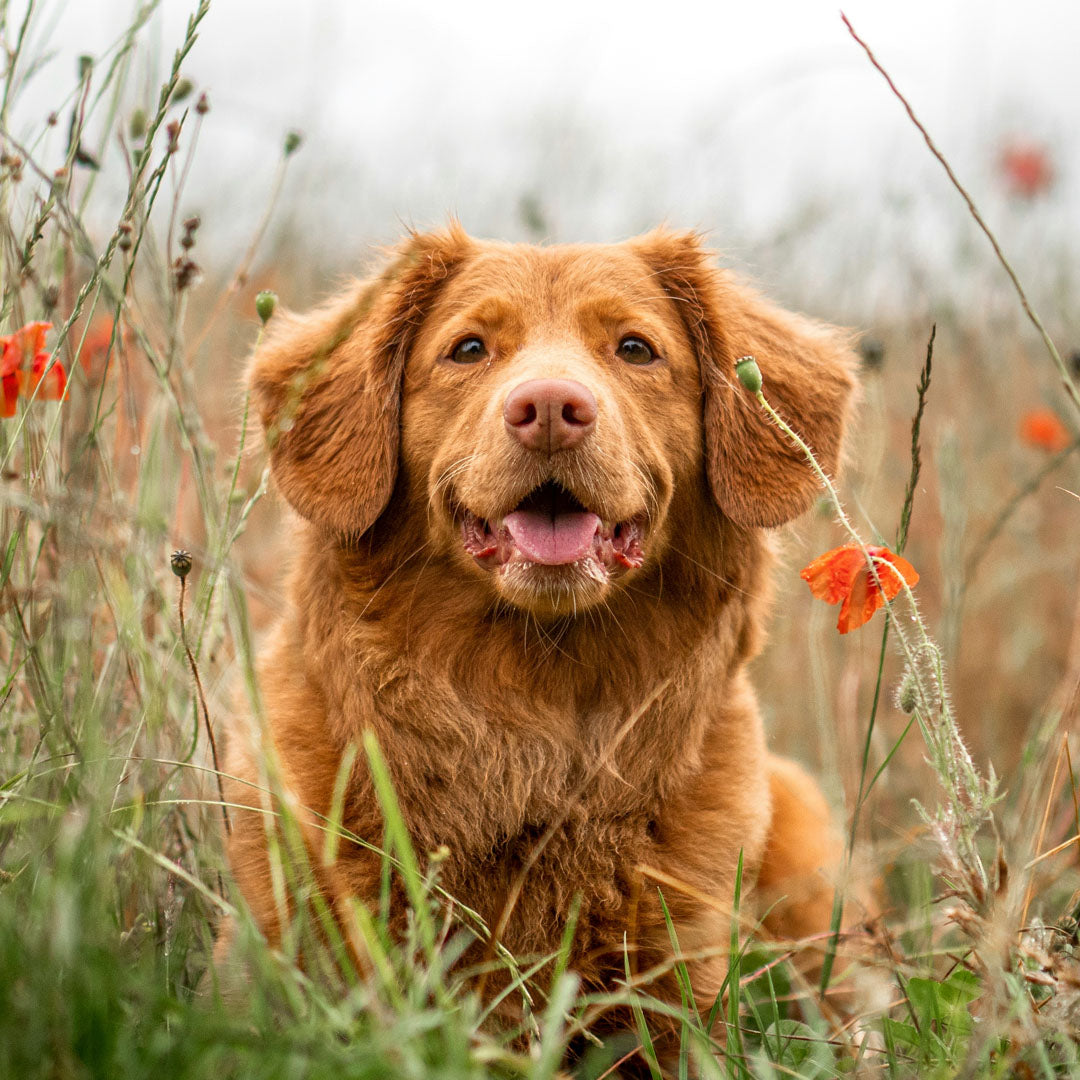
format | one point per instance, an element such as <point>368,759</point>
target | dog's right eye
<point>469,351</point>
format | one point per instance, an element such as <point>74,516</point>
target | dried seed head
<point>187,240</point>
<point>52,119</point>
<point>137,124</point>
<point>265,302</point>
<point>872,352</point>
<point>180,561</point>
<point>185,271</point>
<point>293,139</point>
<point>172,129</point>
<point>748,373</point>
<point>202,106</point>
<point>50,297</point>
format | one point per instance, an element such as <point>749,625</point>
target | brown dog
<point>533,564</point>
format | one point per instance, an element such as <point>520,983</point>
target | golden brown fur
<point>610,721</point>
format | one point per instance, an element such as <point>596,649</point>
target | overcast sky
<point>762,122</point>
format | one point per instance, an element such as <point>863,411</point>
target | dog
<point>532,559</point>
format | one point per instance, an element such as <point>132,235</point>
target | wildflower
<point>28,343</point>
<point>10,379</point>
<point>1027,169</point>
<point>50,384</point>
<point>1043,429</point>
<point>843,575</point>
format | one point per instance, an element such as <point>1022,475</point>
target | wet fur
<point>621,733</point>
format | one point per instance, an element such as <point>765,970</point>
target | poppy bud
<point>293,139</point>
<point>748,373</point>
<point>265,303</point>
<point>180,561</point>
<point>908,696</point>
<point>137,124</point>
<point>202,106</point>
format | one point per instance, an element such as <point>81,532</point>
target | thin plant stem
<point>1063,370</point>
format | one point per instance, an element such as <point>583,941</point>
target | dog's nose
<point>550,414</point>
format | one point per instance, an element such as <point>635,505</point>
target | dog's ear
<point>327,385</point>
<point>757,476</point>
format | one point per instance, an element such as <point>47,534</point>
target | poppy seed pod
<point>748,373</point>
<point>265,302</point>
<point>180,561</point>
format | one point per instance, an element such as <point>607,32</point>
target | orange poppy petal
<point>890,580</point>
<point>32,336</point>
<point>860,604</point>
<point>50,383</point>
<point>10,395</point>
<point>12,357</point>
<point>831,576</point>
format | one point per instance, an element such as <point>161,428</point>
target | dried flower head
<point>180,562</point>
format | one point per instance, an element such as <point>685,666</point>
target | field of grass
<point>942,735</point>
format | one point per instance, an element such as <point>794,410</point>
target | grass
<point>114,672</point>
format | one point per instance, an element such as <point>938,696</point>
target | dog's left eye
<point>469,351</point>
<point>635,351</point>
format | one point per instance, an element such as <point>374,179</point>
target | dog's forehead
<point>528,276</point>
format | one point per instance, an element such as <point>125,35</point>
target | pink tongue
<point>541,538</point>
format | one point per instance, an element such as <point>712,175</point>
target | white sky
<point>762,122</point>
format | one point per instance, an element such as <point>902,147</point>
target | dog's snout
<point>550,414</point>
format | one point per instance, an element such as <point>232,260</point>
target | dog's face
<point>551,405</point>
<point>566,415</point>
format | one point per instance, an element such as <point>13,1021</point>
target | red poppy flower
<point>1043,429</point>
<point>843,575</point>
<point>1027,169</point>
<point>28,342</point>
<point>10,381</point>
<point>55,379</point>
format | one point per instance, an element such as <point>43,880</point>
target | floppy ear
<point>757,476</point>
<point>327,385</point>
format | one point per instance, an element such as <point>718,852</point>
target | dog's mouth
<point>550,527</point>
